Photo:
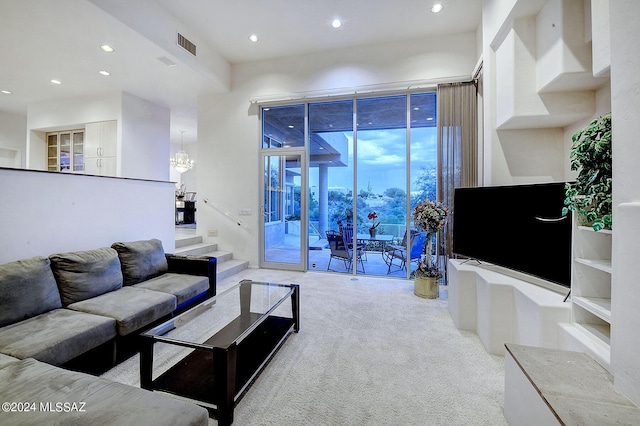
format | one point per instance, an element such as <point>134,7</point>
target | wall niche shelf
<point>590,327</point>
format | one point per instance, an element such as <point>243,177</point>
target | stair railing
<point>226,213</point>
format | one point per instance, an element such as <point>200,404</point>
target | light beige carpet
<point>369,352</point>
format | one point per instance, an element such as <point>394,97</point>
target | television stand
<point>502,309</point>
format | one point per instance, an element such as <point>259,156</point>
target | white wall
<point>13,139</point>
<point>229,131</point>
<point>142,135</point>
<point>46,212</point>
<point>625,105</point>
<point>65,114</point>
<point>622,98</point>
<point>557,60</point>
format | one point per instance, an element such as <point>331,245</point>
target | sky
<point>382,159</point>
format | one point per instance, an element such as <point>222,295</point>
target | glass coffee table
<point>211,353</point>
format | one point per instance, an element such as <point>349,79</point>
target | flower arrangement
<point>429,216</point>
<point>424,270</point>
<point>372,217</point>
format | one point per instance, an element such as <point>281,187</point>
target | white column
<point>323,199</point>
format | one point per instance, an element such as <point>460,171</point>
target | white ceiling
<point>46,39</point>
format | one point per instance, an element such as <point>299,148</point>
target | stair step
<point>230,267</point>
<point>197,249</point>
<point>222,256</point>
<point>187,241</point>
<point>226,264</point>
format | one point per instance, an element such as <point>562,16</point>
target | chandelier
<point>181,161</point>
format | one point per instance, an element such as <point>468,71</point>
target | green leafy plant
<point>590,195</point>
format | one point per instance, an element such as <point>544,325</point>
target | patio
<point>373,264</point>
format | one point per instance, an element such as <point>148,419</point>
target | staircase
<point>226,264</point>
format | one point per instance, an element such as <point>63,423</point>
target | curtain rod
<point>359,90</point>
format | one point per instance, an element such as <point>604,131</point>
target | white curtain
<point>457,150</point>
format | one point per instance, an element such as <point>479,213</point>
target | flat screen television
<point>519,227</point>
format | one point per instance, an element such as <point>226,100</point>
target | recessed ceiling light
<point>436,8</point>
<point>54,81</point>
<point>104,72</point>
<point>6,92</point>
<point>107,48</point>
<point>253,38</point>
<point>336,23</point>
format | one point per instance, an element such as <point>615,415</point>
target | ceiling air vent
<point>186,44</point>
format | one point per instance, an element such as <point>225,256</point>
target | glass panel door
<point>282,226</point>
<point>381,162</point>
<point>330,185</point>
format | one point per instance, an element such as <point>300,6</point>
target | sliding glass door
<point>331,182</point>
<point>381,164</point>
<point>368,160</point>
<point>283,231</point>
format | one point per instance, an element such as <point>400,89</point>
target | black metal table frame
<point>225,367</point>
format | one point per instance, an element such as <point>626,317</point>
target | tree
<point>425,185</point>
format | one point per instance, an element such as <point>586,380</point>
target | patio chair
<point>396,255</point>
<point>347,235</point>
<point>340,251</point>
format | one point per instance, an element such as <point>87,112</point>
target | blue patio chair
<point>339,250</point>
<point>396,255</point>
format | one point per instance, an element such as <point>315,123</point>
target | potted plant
<point>373,228</point>
<point>590,195</point>
<point>430,217</point>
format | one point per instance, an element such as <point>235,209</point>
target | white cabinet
<point>591,291</point>
<point>101,148</point>
<point>65,151</point>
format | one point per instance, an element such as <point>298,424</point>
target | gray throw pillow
<point>27,289</point>
<point>82,275</point>
<point>141,260</point>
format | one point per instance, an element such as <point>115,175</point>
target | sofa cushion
<point>82,275</point>
<point>56,336</point>
<point>183,286</point>
<point>6,359</point>
<point>99,401</point>
<point>27,289</point>
<point>141,260</point>
<point>132,308</point>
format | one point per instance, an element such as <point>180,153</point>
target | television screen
<point>519,227</point>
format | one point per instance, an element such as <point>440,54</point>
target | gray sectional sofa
<point>36,393</point>
<point>54,309</point>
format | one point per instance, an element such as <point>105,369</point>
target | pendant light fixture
<point>181,161</point>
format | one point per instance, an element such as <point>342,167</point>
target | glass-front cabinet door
<point>52,152</point>
<point>78,151</point>
<point>65,151</point>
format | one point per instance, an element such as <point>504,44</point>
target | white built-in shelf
<point>592,339</point>
<point>590,229</point>
<point>590,329</point>
<point>600,264</point>
<point>598,306</point>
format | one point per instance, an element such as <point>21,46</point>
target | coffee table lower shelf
<point>219,377</point>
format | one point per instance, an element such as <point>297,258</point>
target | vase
<point>372,232</point>
<point>426,287</point>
